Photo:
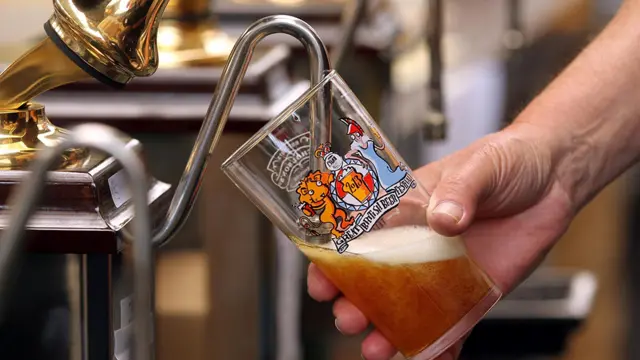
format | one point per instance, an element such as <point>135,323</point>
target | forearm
<point>590,115</point>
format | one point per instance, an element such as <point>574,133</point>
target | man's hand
<point>513,194</point>
<point>503,195</point>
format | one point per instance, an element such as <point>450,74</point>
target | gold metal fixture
<point>23,130</point>
<point>110,40</point>
<point>42,68</point>
<point>113,40</point>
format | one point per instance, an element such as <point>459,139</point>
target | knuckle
<point>455,181</point>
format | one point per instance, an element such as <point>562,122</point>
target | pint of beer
<point>418,288</point>
<point>412,283</point>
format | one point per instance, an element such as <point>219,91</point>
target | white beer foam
<point>406,245</point>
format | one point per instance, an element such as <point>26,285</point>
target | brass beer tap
<point>116,40</point>
<point>83,170</point>
<point>112,41</point>
<point>189,33</point>
<point>40,69</point>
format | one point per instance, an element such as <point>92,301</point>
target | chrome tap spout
<point>222,102</point>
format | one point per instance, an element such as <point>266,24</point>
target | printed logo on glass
<point>357,191</point>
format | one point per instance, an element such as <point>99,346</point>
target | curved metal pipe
<point>23,201</point>
<point>222,102</point>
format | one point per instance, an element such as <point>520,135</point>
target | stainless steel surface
<point>551,306</point>
<point>435,126</point>
<point>222,103</point>
<point>23,204</point>
<point>262,59</point>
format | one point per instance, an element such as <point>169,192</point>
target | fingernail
<point>336,324</point>
<point>362,357</point>
<point>450,209</point>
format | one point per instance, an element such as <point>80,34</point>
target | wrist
<point>584,158</point>
<point>555,148</point>
<point>589,117</point>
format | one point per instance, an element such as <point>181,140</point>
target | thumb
<point>455,198</point>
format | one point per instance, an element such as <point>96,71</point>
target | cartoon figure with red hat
<point>364,146</point>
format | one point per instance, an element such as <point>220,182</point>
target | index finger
<point>319,286</point>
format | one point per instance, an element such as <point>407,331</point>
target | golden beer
<point>413,284</point>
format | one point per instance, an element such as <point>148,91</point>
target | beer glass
<point>326,176</point>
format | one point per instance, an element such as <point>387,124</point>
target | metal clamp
<point>23,201</point>
<point>222,102</point>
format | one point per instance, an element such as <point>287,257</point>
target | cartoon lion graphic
<point>315,200</point>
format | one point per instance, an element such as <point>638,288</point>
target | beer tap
<point>115,41</point>
<point>22,204</point>
<point>222,102</point>
<point>435,122</point>
<point>76,234</point>
<point>112,41</point>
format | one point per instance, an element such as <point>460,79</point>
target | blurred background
<point>229,287</point>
